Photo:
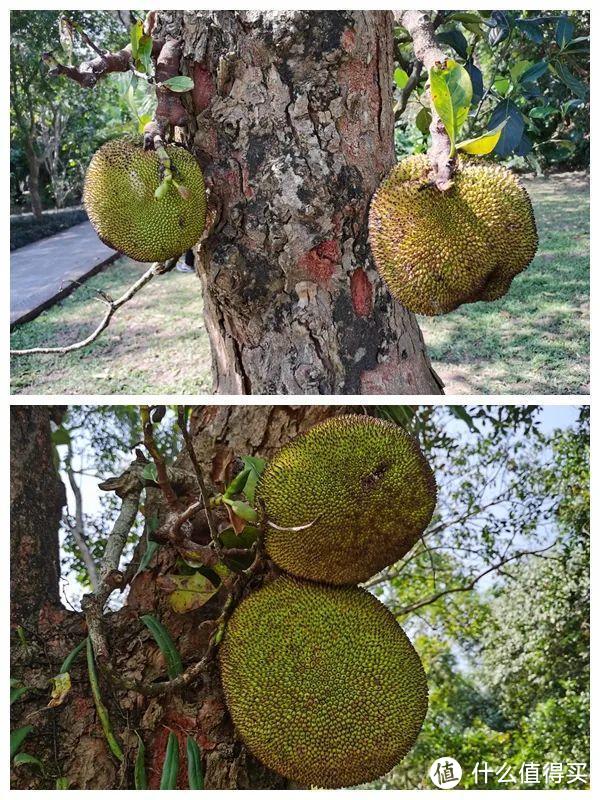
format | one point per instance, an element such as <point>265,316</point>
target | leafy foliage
<point>529,73</point>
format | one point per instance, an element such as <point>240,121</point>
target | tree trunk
<point>69,739</point>
<point>292,119</point>
<point>35,200</point>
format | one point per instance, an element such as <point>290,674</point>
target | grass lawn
<point>155,344</point>
<point>534,340</point>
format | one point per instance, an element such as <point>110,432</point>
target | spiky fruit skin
<point>118,196</point>
<point>365,486</point>
<point>437,250</point>
<point>321,682</point>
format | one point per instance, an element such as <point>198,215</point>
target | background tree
<point>55,129</point>
<point>508,542</point>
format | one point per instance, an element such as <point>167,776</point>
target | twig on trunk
<point>158,268</point>
<point>161,467</point>
<point>429,53</point>
<point>182,422</point>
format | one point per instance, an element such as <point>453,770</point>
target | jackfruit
<point>437,250</point>
<point>359,492</point>
<point>118,196</point>
<point>322,684</point>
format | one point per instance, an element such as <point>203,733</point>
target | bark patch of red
<point>348,40</point>
<point>181,725</point>
<point>320,262</point>
<point>204,87</point>
<point>384,376</point>
<point>361,292</point>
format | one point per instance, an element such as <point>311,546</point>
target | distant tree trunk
<point>292,119</point>
<point>33,164</point>
<point>69,739</point>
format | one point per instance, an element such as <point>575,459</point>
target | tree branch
<point>93,604</point>
<point>429,53</point>
<point>182,423</point>
<point>78,529</point>
<point>470,585</point>
<point>113,306</point>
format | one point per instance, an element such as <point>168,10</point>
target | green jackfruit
<point>363,484</point>
<point>119,198</point>
<point>437,250</point>
<point>321,682</point>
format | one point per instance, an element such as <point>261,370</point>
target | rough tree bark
<point>292,118</point>
<point>69,739</point>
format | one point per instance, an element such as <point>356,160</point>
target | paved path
<point>42,272</point>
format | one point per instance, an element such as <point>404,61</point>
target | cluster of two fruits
<point>435,250</point>
<point>322,684</point>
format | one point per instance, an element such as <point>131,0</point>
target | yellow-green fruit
<point>321,682</point>
<point>363,484</point>
<point>119,198</point>
<point>437,250</point>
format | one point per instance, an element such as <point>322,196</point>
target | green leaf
<point>399,415</point>
<point>461,413</point>
<point>451,93</point>
<point>179,83</point>
<point>63,783</point>
<point>578,88</point>
<point>502,85</point>
<point>135,34</point>
<point>151,548</point>
<point>26,758</point>
<point>144,55</point>
<point>190,592</point>
<point>564,32</point>
<point>466,16</point>
<point>194,762</point>
<point>166,645</point>
<point>400,77</point>
<point>101,709</point>
<point>543,112</point>
<point>534,72</point>
<point>518,68</point>
<point>484,144</point>
<point>17,737</point>
<point>61,436</point>
<point>150,473</point>
<point>168,779</point>
<point>423,121</point>
<point>237,484</point>
<point>241,509</point>
<point>140,777</point>
<point>68,662</point>
<point>256,467</point>
<point>143,120</point>
<point>17,690</point>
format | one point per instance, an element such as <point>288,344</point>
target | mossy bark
<point>292,119</point>
<point>68,739</point>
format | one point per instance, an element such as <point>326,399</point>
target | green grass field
<point>156,343</point>
<point>534,340</point>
